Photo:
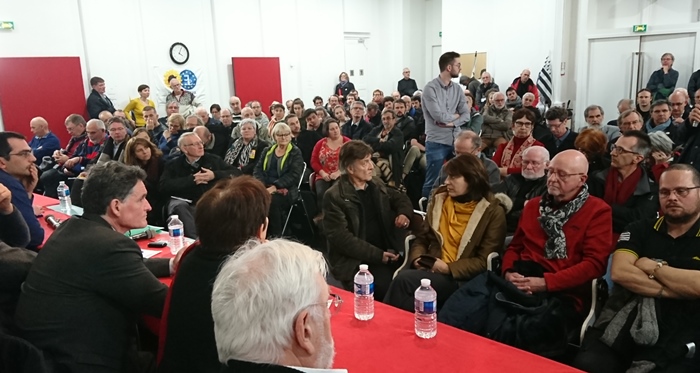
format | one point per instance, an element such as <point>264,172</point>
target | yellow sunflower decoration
<point>172,72</point>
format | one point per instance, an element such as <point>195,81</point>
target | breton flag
<point>544,82</point>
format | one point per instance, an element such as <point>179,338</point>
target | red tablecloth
<point>43,201</point>
<point>387,343</point>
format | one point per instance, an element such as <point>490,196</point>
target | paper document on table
<point>149,253</point>
<point>75,210</point>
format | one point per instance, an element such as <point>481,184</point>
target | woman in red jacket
<point>324,159</point>
<point>508,156</point>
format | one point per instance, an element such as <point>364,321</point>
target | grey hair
<point>100,124</point>
<point>469,135</point>
<point>264,284</point>
<point>541,150</point>
<point>661,142</point>
<point>625,101</point>
<point>529,94</point>
<point>109,181</point>
<point>250,121</point>
<point>184,136</point>
<point>200,110</point>
<point>593,107</point>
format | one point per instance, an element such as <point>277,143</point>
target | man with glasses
<point>114,146</point>
<point>563,240</point>
<point>19,174</point>
<point>188,176</point>
<point>661,121</point>
<point>561,137</point>
<point>406,85</point>
<point>291,336</point>
<point>626,186</point>
<point>657,269</point>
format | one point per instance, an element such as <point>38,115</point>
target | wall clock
<point>179,53</point>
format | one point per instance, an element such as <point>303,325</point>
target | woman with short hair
<point>465,223</point>
<point>508,156</point>
<point>594,145</point>
<point>280,169</point>
<point>134,109</point>
<point>245,151</point>
<point>661,154</point>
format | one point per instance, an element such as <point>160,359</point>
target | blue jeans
<point>435,156</point>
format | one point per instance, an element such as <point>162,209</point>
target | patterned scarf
<point>511,160</point>
<point>552,221</point>
<point>239,147</point>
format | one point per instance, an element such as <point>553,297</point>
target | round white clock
<point>179,53</point>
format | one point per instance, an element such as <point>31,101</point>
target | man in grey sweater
<point>445,110</point>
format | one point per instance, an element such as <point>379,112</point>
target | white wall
<point>127,42</point>
<point>515,34</point>
<point>433,27</point>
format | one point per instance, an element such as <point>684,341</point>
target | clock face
<point>179,53</point>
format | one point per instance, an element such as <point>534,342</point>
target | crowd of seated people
<point>567,197</point>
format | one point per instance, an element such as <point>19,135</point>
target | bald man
<point>563,240</point>
<point>236,115</point>
<point>679,106</point>
<point>214,143</point>
<point>44,142</point>
<point>523,84</point>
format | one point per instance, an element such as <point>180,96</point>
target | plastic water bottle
<point>177,234</point>
<point>426,313</point>
<point>364,294</point>
<point>64,198</point>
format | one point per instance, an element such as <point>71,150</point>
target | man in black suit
<point>188,176</point>
<point>561,138</point>
<point>357,127</point>
<point>98,101</point>
<point>85,291</point>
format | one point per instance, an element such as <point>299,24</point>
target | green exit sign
<point>7,25</point>
<point>639,28</point>
<point>440,34</point>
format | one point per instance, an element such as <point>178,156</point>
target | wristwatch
<point>659,263</point>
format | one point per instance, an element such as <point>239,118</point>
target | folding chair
<point>298,200</point>
<point>407,245</point>
<point>423,204</point>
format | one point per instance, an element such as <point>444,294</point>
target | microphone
<point>150,233</point>
<point>52,221</point>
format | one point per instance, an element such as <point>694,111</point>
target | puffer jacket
<point>497,123</point>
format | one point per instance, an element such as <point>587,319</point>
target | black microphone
<point>150,233</point>
<point>52,221</point>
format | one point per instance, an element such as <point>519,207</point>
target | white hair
<point>184,136</point>
<point>264,284</point>
<point>543,152</point>
<point>529,94</point>
<point>100,124</point>
<point>201,110</point>
<point>280,126</point>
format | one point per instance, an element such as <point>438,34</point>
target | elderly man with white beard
<point>595,115</point>
<point>297,333</point>
<point>520,188</point>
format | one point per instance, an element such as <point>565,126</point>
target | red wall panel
<point>49,87</point>
<point>257,78</point>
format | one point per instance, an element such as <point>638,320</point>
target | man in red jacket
<point>566,234</point>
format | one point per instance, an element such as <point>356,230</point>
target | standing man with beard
<point>445,108</point>
<point>656,262</point>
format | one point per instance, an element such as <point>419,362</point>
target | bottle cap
<point>173,217</point>
<point>364,267</point>
<point>425,282</point>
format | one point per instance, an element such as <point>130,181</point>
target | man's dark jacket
<point>550,143</point>
<point>392,149</point>
<point>343,222</point>
<point>178,178</point>
<point>363,128</point>
<point>84,294</point>
<point>512,186</point>
<point>644,203</point>
<point>96,104</point>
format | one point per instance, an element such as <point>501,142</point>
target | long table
<point>387,343</point>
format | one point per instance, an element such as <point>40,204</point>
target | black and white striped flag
<point>544,81</point>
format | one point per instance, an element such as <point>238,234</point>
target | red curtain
<point>257,78</point>
<point>49,87</point>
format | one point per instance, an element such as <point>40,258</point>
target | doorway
<point>619,67</point>
<point>356,63</point>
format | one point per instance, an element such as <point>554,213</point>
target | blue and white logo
<point>189,79</point>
